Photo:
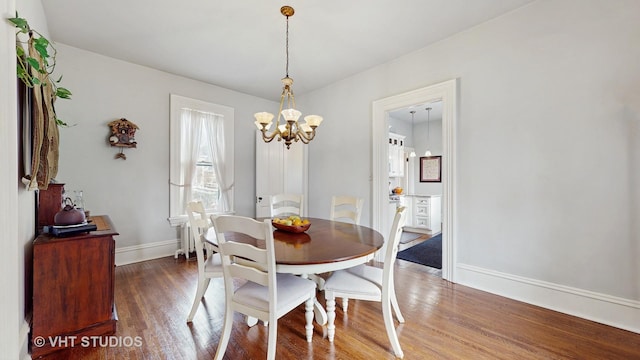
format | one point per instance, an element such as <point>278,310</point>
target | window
<point>201,156</point>
<point>205,187</point>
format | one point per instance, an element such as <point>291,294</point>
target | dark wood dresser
<point>73,288</point>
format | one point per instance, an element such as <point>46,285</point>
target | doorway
<point>447,93</point>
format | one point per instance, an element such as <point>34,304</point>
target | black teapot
<point>69,215</point>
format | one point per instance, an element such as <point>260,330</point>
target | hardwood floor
<point>443,321</point>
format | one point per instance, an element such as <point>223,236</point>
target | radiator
<point>188,245</point>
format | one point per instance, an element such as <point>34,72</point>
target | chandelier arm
<point>292,99</point>
<point>269,138</point>
<point>280,110</point>
<point>303,135</point>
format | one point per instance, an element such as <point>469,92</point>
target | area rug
<point>427,253</point>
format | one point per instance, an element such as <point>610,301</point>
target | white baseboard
<point>137,253</point>
<point>606,309</point>
<point>24,341</point>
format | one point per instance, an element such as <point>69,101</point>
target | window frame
<point>177,102</point>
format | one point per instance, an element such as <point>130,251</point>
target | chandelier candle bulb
<point>306,128</point>
<point>291,114</point>
<point>263,117</point>
<point>313,120</point>
<point>259,125</point>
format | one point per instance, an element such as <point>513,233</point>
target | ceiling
<point>421,115</point>
<point>240,45</point>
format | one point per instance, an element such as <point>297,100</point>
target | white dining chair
<point>266,295</point>
<point>343,209</point>
<point>286,205</point>
<point>370,283</point>
<point>209,263</point>
<point>346,209</point>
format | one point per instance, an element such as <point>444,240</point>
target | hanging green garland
<point>43,61</point>
<point>34,67</point>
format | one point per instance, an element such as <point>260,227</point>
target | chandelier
<point>290,130</point>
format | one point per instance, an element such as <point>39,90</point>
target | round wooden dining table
<point>326,246</point>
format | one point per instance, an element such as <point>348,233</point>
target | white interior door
<point>279,170</point>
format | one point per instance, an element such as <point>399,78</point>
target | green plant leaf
<point>20,23</point>
<point>63,93</point>
<point>41,41</point>
<point>34,63</point>
<point>41,48</point>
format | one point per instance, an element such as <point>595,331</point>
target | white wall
<point>547,169</point>
<point>12,280</point>
<point>134,192</point>
<point>17,214</point>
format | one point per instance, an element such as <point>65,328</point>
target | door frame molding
<point>447,92</point>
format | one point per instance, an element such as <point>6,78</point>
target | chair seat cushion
<point>291,291</point>
<point>361,280</point>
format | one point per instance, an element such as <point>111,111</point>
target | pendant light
<point>428,153</point>
<point>413,153</point>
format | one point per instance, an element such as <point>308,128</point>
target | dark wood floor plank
<point>443,321</point>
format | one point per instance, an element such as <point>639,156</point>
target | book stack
<point>68,230</point>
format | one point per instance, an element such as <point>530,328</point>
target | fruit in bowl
<point>292,223</point>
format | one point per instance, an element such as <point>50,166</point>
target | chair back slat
<point>346,208</point>
<point>286,205</point>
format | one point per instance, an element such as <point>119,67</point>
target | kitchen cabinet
<point>426,214</point>
<point>396,155</point>
<point>73,288</point>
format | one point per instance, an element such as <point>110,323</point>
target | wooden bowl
<point>292,228</point>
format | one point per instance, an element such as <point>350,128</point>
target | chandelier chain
<point>287,48</point>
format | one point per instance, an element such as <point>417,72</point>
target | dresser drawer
<point>422,211</point>
<point>422,201</point>
<point>422,222</point>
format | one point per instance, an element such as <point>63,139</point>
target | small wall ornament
<point>123,134</point>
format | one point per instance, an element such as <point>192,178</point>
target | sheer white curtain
<point>191,132</point>
<point>214,125</point>
<point>193,124</point>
